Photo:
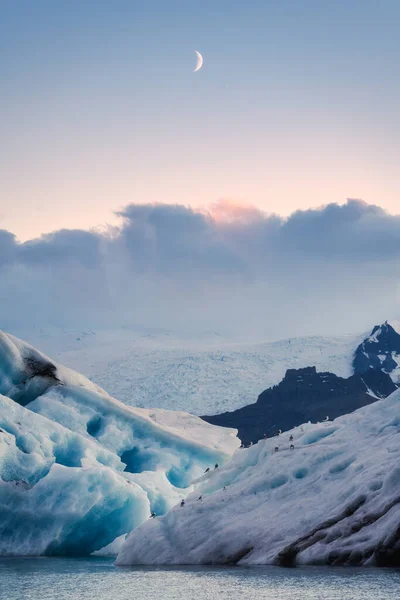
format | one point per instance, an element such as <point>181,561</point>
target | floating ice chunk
<point>78,468</point>
<point>60,493</point>
<point>334,499</point>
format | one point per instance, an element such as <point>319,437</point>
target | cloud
<point>8,246</point>
<point>230,268</point>
<point>355,231</point>
<point>173,239</point>
<point>74,247</point>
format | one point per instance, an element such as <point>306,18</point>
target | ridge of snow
<point>333,499</point>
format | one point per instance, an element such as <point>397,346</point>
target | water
<point>99,579</point>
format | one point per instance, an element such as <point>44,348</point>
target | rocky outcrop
<point>381,350</point>
<point>305,395</point>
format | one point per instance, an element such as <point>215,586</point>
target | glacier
<point>79,469</point>
<point>333,498</point>
<point>203,375</point>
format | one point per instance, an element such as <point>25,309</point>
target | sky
<point>256,197</point>
<point>296,106</point>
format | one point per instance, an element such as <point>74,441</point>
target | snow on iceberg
<point>332,499</point>
<point>79,469</point>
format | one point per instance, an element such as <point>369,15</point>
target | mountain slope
<point>333,499</point>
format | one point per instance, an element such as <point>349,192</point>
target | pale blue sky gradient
<point>297,105</point>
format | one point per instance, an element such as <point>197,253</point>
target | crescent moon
<point>199,61</point>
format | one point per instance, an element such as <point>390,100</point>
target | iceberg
<point>78,469</point>
<point>322,493</point>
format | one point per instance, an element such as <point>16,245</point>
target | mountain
<point>333,499</point>
<point>206,375</point>
<point>380,350</point>
<point>304,395</point>
<point>78,468</point>
<point>308,395</point>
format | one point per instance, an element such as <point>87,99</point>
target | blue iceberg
<point>79,469</point>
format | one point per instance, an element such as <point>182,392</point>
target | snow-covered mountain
<point>79,468</point>
<point>332,499</point>
<point>308,395</point>
<point>380,350</point>
<point>207,375</point>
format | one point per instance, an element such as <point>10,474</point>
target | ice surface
<point>334,498</point>
<point>78,468</point>
<point>202,376</point>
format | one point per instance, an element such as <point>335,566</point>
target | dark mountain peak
<point>379,350</point>
<point>308,376</point>
<point>309,395</point>
<point>377,328</point>
<point>303,372</point>
<point>302,395</point>
<point>383,334</point>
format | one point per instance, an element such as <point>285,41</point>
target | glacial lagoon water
<point>99,579</point>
